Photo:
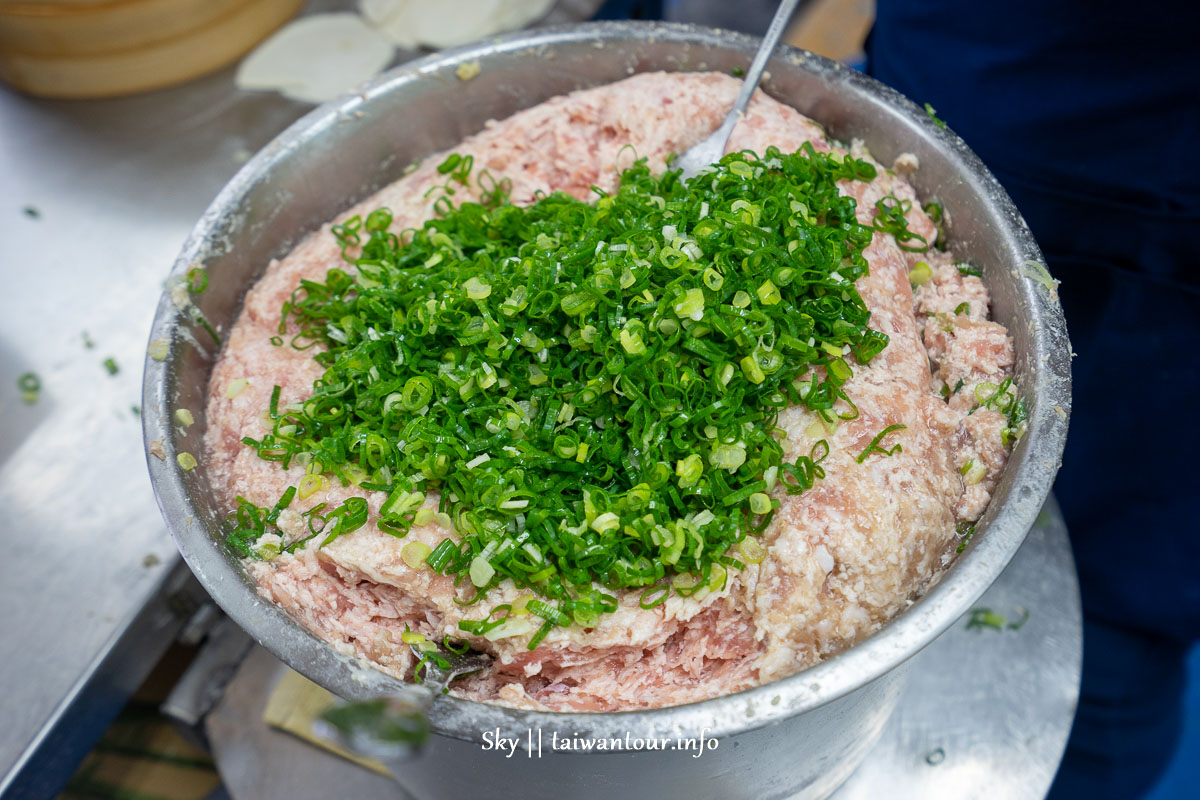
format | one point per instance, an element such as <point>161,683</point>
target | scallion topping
<point>891,217</point>
<point>592,389</point>
<point>875,447</point>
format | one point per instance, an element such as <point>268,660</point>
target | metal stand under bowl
<point>986,713</point>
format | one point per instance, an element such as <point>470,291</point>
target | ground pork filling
<point>841,559</point>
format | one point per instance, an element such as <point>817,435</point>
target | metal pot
<point>797,737</point>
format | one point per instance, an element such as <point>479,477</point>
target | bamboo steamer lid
<point>102,48</point>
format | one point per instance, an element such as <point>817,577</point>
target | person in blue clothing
<point>1088,112</point>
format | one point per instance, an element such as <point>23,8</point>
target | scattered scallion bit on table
<point>985,618</point>
<point>88,342</point>
<point>1020,621</point>
<point>136,410</point>
<point>30,387</point>
<point>592,388</point>
<point>110,366</point>
<point>32,212</point>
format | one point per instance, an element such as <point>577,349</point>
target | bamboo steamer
<point>103,48</point>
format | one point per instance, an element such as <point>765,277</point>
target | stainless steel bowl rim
<point>1002,530</point>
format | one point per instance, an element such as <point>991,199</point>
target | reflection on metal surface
<point>986,713</point>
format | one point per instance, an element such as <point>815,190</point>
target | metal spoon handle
<point>711,148</point>
<point>771,38</point>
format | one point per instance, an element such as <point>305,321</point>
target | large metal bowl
<point>800,736</point>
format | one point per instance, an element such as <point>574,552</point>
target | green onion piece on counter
<point>30,386</point>
<point>985,618</point>
<point>1019,623</point>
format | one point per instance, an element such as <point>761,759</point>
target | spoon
<point>709,151</point>
<point>393,729</point>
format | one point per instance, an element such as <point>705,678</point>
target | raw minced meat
<point>841,559</point>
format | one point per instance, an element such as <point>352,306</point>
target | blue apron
<point>1088,112</point>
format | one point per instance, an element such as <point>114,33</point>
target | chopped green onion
<point>691,304</point>
<point>197,280</point>
<point>1019,623</point>
<point>187,462</point>
<point>985,618</point>
<point>760,503</point>
<point>414,554</point>
<point>477,289</point>
<point>920,274</point>
<point>752,551</point>
<point>689,470</point>
<point>768,293</point>
<point>311,484</point>
<point>752,370</point>
<point>932,114</point>
<point>965,531</point>
<point>891,218</point>
<point>30,386</point>
<point>592,389</point>
<point>874,446</point>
